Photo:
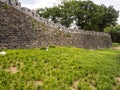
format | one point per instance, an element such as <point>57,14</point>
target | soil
<point>117,48</point>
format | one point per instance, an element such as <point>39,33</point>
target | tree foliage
<point>115,32</point>
<point>86,14</point>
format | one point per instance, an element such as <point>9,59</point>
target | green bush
<point>5,6</point>
<point>52,46</point>
<point>114,31</point>
<point>115,44</point>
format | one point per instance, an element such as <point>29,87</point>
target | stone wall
<point>33,14</point>
<point>21,27</point>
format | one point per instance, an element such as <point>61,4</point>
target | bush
<point>51,46</point>
<point>114,31</point>
<point>5,6</point>
<point>115,44</point>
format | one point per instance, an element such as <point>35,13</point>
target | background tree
<point>114,31</point>
<point>50,13</point>
<point>109,17</point>
<point>88,15</point>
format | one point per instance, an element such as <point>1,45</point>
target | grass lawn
<point>60,68</point>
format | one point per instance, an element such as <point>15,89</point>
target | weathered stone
<point>17,30</point>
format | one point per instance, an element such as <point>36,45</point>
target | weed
<point>52,46</point>
<point>5,6</point>
<point>68,34</point>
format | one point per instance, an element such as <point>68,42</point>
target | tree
<point>88,15</point>
<point>66,14</point>
<point>114,31</point>
<point>52,13</point>
<point>109,17</point>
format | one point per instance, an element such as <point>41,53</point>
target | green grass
<point>60,68</point>
<point>115,44</point>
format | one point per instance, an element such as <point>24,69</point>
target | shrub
<point>5,6</point>
<point>114,31</point>
<point>51,46</point>
<point>43,48</point>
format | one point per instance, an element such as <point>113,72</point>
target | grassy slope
<point>60,68</point>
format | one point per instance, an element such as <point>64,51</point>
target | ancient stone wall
<point>33,14</point>
<point>21,27</point>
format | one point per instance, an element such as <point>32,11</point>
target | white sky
<point>34,4</point>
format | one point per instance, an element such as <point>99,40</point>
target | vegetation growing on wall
<point>38,26</point>
<point>5,6</point>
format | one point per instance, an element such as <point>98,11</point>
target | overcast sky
<point>33,4</point>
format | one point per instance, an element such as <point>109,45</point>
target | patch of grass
<point>59,68</point>
<point>52,46</point>
<point>43,48</point>
<point>115,44</point>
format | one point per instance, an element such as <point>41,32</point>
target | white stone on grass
<point>47,48</point>
<point>3,53</point>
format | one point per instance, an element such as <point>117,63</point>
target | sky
<point>34,4</point>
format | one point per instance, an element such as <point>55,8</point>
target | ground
<point>117,47</point>
<point>60,68</point>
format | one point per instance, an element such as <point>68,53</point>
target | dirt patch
<point>92,87</point>
<point>36,83</point>
<point>75,85</point>
<point>117,48</point>
<point>118,79</point>
<point>13,70</point>
<point>117,85</point>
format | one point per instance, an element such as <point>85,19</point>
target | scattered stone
<point>3,53</point>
